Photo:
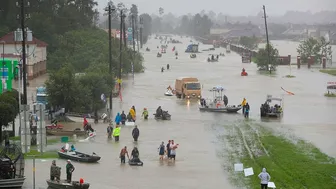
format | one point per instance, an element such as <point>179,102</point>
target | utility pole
<point>120,47</point>
<point>20,35</point>
<point>268,45</point>
<point>137,31</point>
<point>24,64</point>
<point>124,31</point>
<point>133,41</point>
<point>141,30</point>
<point>110,9</point>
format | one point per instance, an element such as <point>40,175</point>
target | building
<point>113,32</point>
<point>236,30</point>
<point>36,51</point>
<point>296,30</point>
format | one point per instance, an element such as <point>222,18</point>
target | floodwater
<point>307,114</point>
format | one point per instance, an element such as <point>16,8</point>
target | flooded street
<point>199,164</point>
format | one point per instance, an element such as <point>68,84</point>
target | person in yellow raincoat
<point>243,104</point>
<point>116,133</point>
<point>132,112</point>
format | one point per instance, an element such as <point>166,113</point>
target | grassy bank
<point>290,76</point>
<point>330,72</point>
<point>50,140</point>
<point>38,155</point>
<point>330,95</point>
<point>291,164</point>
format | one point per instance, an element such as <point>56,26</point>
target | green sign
<point>8,72</point>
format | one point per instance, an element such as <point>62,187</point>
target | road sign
<point>130,34</point>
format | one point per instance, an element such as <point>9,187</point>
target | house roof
<point>9,39</point>
<point>10,55</point>
<point>240,33</point>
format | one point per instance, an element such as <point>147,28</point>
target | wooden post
<point>324,62</point>
<point>298,59</point>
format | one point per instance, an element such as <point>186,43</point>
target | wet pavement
<point>307,114</point>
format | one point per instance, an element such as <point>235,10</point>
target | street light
<point>110,9</point>
<point>141,32</point>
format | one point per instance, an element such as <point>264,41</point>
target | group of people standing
<point>122,118</point>
<point>169,150</point>
<point>131,116</point>
<point>55,171</point>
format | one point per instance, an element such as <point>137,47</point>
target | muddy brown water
<point>308,114</point>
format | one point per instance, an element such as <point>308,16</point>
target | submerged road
<point>198,165</point>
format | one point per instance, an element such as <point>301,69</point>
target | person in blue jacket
<point>117,119</point>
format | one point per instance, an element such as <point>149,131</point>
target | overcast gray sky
<point>231,7</point>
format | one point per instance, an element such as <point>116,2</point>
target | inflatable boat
<point>132,163</point>
<point>244,74</point>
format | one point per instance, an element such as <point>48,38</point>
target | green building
<point>8,72</point>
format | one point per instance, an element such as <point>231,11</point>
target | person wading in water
<point>161,150</point>
<point>135,133</point>
<point>109,131</point>
<point>116,133</point>
<point>123,154</point>
<point>123,118</point>
<point>168,149</point>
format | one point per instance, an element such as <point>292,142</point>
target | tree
<point>96,84</point>
<point>262,57</point>
<point>63,88</point>
<point>121,6</point>
<point>8,110</point>
<point>79,93</point>
<point>197,25</point>
<point>212,15</point>
<point>326,50</point>
<point>309,47</point>
<point>147,26</point>
<point>317,48</point>
<point>249,42</point>
<point>156,24</point>
<point>161,11</point>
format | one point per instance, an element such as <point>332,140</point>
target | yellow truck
<point>188,87</point>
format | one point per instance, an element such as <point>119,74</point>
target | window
<point>193,86</point>
<point>41,99</point>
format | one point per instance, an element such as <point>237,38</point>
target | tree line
<point>192,25</point>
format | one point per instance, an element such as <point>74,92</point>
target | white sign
<point>248,172</point>
<point>271,185</point>
<point>238,167</point>
<point>331,87</point>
